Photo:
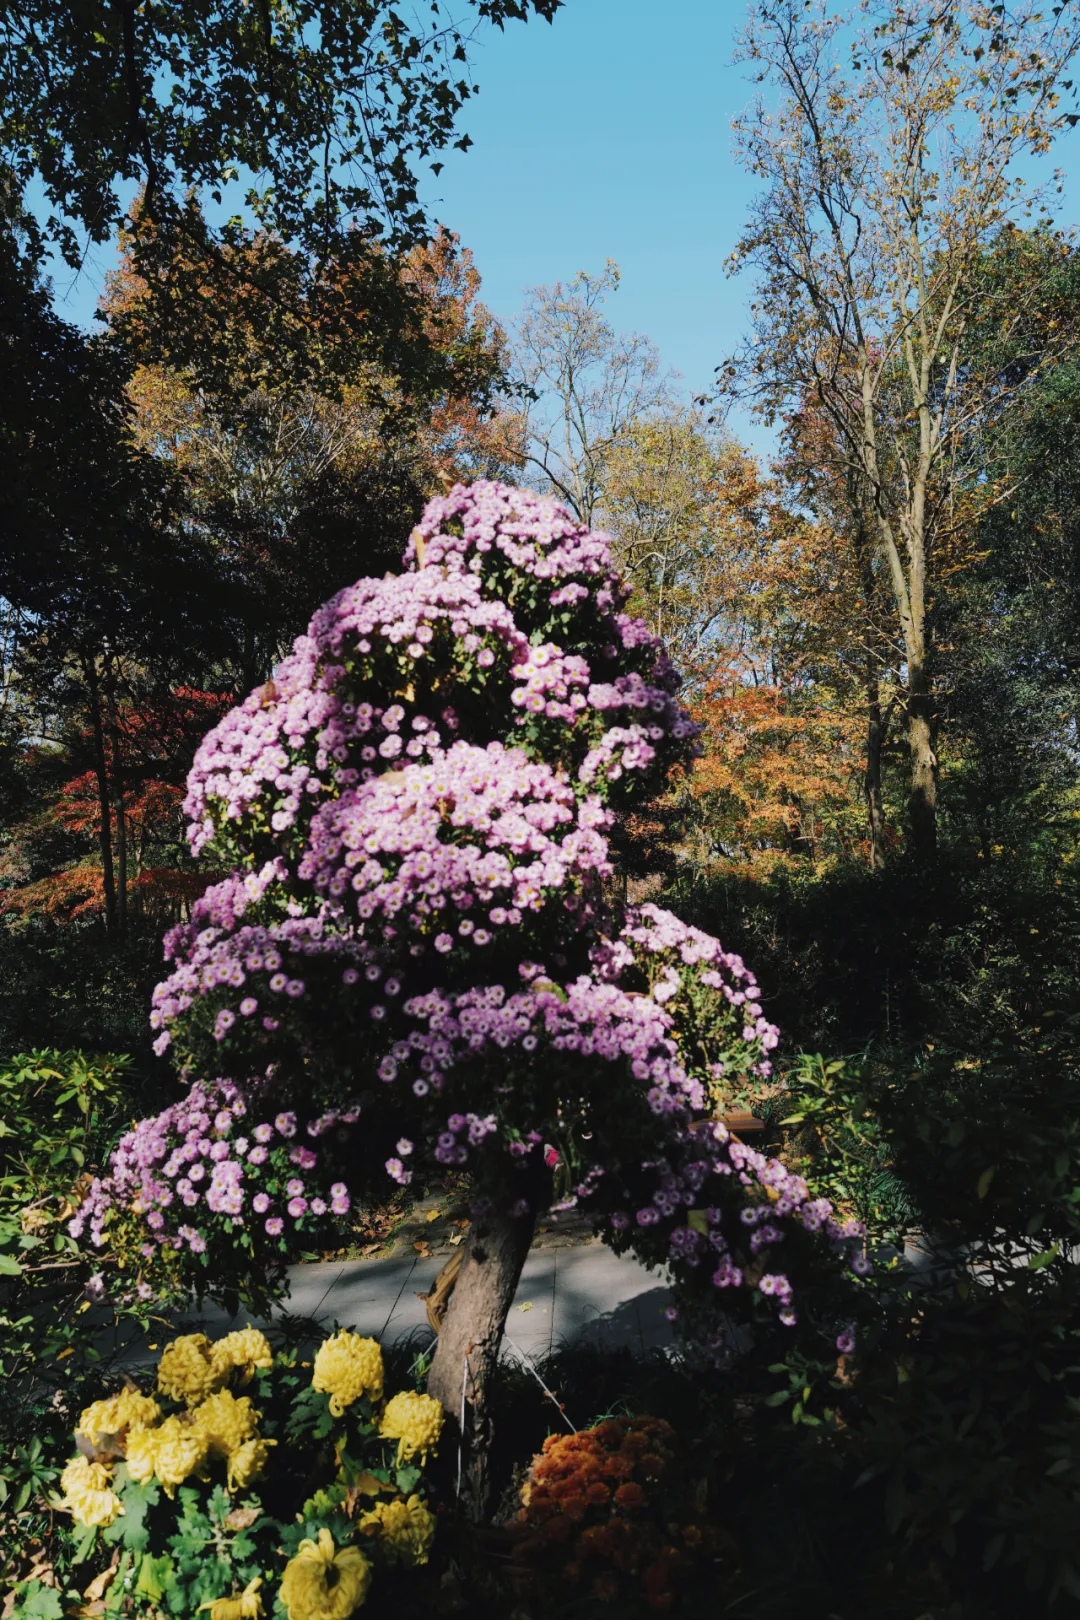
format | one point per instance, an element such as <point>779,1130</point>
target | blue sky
<point>605,135</point>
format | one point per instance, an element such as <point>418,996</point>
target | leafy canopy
<point>321,108</point>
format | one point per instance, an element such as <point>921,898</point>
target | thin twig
<point>527,1362</point>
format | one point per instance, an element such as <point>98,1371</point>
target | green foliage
<point>59,1113</point>
<point>29,1474</point>
<point>330,105</point>
<point>835,1139</point>
<point>38,1602</point>
<point>963,1415</point>
<point>854,959</point>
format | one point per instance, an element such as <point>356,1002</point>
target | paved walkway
<point>573,1294</point>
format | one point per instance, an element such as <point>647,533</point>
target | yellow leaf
<point>433,1214</point>
<point>526,1307</point>
<point>982,1186</point>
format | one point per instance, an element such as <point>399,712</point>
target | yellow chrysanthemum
<point>247,1606</point>
<point>141,1454</point>
<point>246,1349</point>
<point>180,1452</point>
<point>225,1422</point>
<point>86,1488</point>
<point>128,1410</point>
<point>347,1367</point>
<point>323,1584</point>
<point>415,1422</point>
<point>247,1463</point>
<point>405,1529</point>
<point>187,1370</point>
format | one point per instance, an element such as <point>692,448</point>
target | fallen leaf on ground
<point>101,1583</point>
<point>433,1214</point>
<point>526,1307</point>
<point>241,1518</point>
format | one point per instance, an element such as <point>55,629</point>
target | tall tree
<point>321,109</point>
<point>98,576</point>
<point>580,385</point>
<point>867,640</point>
<point>1011,631</point>
<point>674,490</point>
<point>888,163</point>
<point>302,122</point>
<point>298,482</point>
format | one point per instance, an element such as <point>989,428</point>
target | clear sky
<point>605,135</point>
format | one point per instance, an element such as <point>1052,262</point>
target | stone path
<point>572,1294</point>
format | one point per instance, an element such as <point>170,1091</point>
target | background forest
<point>878,625</point>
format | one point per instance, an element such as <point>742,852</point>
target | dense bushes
<point>976,947</point>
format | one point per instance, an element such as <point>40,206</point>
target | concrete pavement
<point>583,1293</point>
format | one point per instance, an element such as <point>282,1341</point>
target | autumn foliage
<point>53,863</point>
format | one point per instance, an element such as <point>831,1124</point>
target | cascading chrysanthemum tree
<point>419,960</point>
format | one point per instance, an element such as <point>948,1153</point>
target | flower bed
<point>251,1483</point>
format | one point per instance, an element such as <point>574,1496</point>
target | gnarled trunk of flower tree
<point>467,1354</point>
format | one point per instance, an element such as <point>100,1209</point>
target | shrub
<point>607,1512</point>
<point>59,1113</point>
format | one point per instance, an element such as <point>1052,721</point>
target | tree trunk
<point>471,1335</point>
<point>101,771</point>
<point>922,803</point>
<point>876,729</point>
<point>121,814</point>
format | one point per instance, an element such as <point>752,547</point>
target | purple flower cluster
<point>587,1019</point>
<point>551,683</point>
<point>691,974</point>
<point>461,849</point>
<point>344,706</point>
<point>416,807</point>
<point>529,539</point>
<point>249,972</point>
<point>309,732</point>
<point>448,1150</point>
<point>720,1208</point>
<point>201,1169</point>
